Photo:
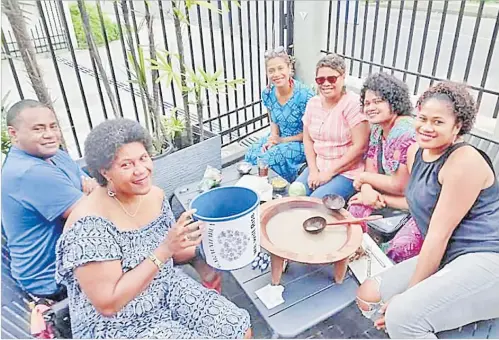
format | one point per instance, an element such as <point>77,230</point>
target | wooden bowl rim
<point>354,233</point>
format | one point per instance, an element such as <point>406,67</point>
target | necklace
<point>286,97</point>
<point>123,207</point>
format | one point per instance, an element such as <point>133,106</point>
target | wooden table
<point>310,293</point>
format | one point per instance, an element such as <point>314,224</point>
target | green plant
<point>138,72</point>
<point>6,143</point>
<point>112,30</point>
<point>193,81</point>
<point>189,81</point>
<point>173,125</point>
<point>199,81</point>
<point>94,51</point>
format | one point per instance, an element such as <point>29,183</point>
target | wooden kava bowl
<point>283,236</point>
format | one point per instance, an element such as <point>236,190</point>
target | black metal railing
<point>439,40</point>
<point>234,41</point>
<point>38,36</point>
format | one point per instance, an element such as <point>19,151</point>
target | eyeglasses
<point>276,51</point>
<point>330,79</point>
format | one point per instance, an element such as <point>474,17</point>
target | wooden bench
<point>15,303</point>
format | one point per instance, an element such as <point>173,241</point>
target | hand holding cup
<point>184,234</point>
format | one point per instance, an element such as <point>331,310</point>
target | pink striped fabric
<point>331,130</point>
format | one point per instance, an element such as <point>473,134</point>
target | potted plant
<point>174,153</point>
<point>192,147</point>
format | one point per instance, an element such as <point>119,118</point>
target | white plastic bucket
<point>231,239</point>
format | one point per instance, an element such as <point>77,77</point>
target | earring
<point>110,193</point>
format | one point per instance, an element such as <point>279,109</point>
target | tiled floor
<point>347,324</point>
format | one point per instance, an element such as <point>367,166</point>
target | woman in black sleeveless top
<point>453,195</point>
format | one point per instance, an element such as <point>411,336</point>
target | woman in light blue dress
<point>286,99</point>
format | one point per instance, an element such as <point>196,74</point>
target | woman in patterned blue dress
<point>285,100</point>
<point>117,254</point>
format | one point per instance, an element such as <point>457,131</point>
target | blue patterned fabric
<point>283,158</point>
<point>172,306</point>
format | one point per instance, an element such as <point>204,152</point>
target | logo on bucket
<point>233,244</point>
<point>230,247</point>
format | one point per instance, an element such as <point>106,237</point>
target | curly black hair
<point>391,90</point>
<point>104,141</point>
<point>463,104</point>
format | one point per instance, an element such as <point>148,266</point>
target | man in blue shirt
<point>41,185</point>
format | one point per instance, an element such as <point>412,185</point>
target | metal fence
<point>233,41</point>
<point>38,36</point>
<point>421,42</point>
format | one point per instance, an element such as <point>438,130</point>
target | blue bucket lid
<point>224,204</point>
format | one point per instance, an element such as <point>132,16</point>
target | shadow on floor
<point>349,323</point>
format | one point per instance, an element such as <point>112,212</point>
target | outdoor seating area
<point>340,319</point>
<point>205,169</point>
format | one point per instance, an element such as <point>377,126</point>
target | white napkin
<point>271,296</point>
<point>258,184</point>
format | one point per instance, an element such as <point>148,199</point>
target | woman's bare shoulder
<point>467,165</point>
<point>411,154</point>
<point>157,192</point>
<point>154,199</point>
<point>91,205</point>
<point>467,160</point>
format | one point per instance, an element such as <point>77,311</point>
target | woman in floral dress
<point>285,99</point>
<point>388,107</point>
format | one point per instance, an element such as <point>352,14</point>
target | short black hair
<point>391,90</point>
<point>457,95</point>
<point>16,109</point>
<point>333,61</point>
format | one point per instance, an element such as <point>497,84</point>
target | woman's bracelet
<point>155,260</point>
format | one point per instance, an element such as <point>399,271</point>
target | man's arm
<point>49,191</point>
<point>69,210</point>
